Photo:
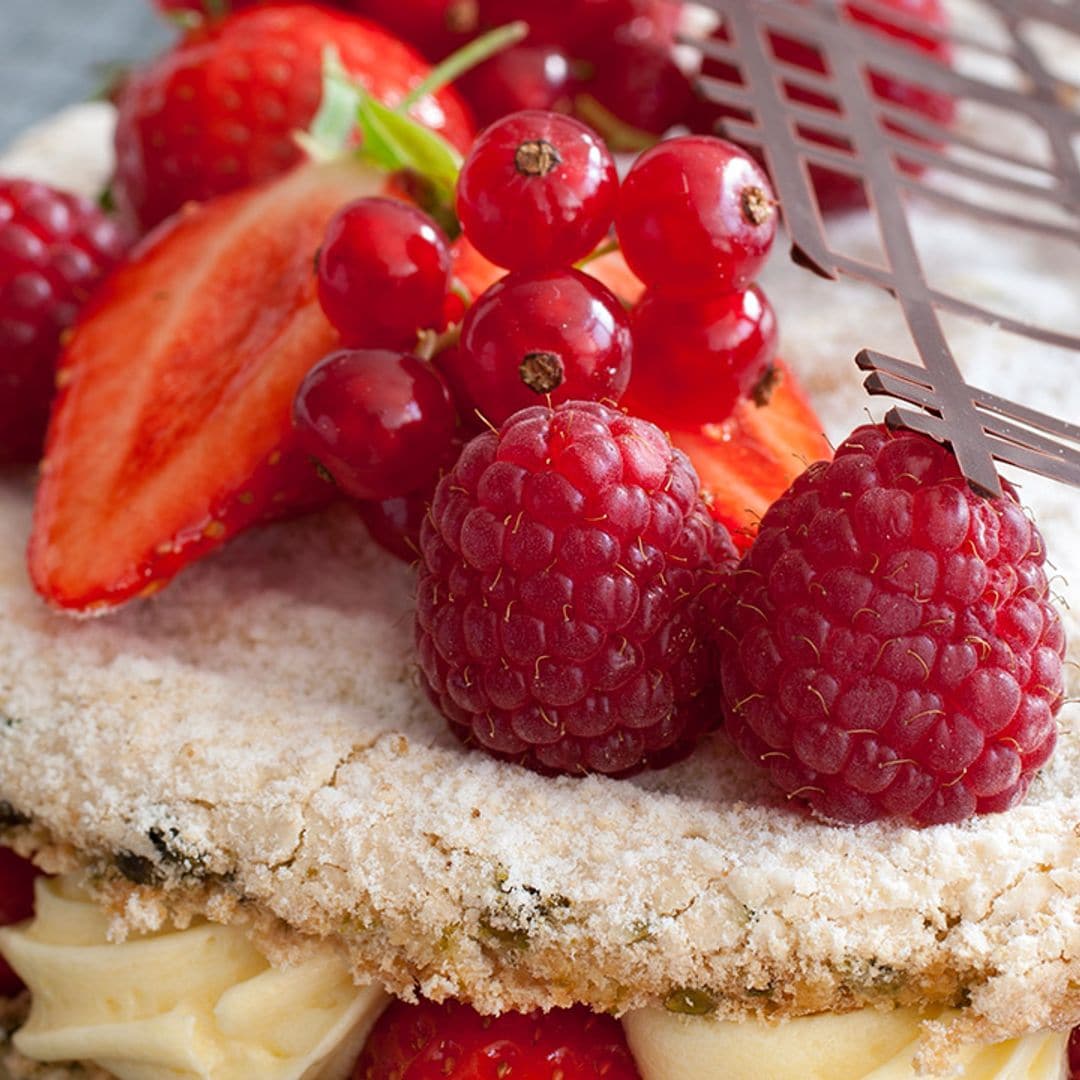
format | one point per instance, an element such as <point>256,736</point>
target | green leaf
<point>394,142</point>
<point>335,121</point>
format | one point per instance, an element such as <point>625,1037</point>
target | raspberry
<point>568,576</point>
<point>54,249</point>
<point>453,1041</point>
<point>891,648</point>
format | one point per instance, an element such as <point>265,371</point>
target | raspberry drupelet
<point>890,649</point>
<point>568,579</point>
<point>55,249</point>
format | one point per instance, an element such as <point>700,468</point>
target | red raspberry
<point>892,650</point>
<point>568,568</point>
<point>453,1041</point>
<point>54,249</point>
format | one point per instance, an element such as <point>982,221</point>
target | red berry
<point>381,423</point>
<point>566,586</point>
<point>696,213</point>
<point>524,77</point>
<point>892,651</point>
<point>561,335</point>
<point>54,249</point>
<point>640,84</point>
<point>219,111</point>
<point>453,1041</point>
<point>384,271</point>
<point>687,350</point>
<point>583,27</point>
<point>16,903</point>
<point>435,27</point>
<point>537,191</point>
<point>1074,1053</point>
<point>394,524</point>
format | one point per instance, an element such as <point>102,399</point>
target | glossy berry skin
<point>219,111</point>
<point>583,27</point>
<point>17,878</point>
<point>454,1042</point>
<point>537,191</point>
<point>54,250</point>
<point>719,347</point>
<point>383,273</point>
<point>639,83</point>
<point>435,27</point>
<point>394,524</point>
<point>891,650</point>
<point>380,422</point>
<point>523,77</point>
<point>531,338</point>
<point>566,593</point>
<point>1074,1054</point>
<point>696,213</point>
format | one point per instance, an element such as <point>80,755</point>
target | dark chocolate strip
<point>982,427</point>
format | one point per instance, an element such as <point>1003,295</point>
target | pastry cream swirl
<point>195,1004</point>
<point>863,1045</point>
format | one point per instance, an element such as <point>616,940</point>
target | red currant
<point>394,524</point>
<point>380,422</point>
<point>384,271</point>
<point>537,191</point>
<point>696,213</point>
<point>719,347</point>
<point>16,903</point>
<point>524,77</point>
<point>581,26</point>
<point>641,84</point>
<point>435,27</point>
<point>559,334</point>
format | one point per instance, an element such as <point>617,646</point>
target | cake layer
<point>253,744</point>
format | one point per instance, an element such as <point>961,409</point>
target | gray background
<point>54,52</point>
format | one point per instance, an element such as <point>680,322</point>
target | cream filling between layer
<point>204,1004</point>
<point>195,1004</point>
<point>863,1045</point>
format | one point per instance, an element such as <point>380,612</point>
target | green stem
<point>465,59</point>
<point>598,253</point>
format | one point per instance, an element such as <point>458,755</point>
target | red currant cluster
<point>377,417</point>
<point>537,195</point>
<point>696,220</point>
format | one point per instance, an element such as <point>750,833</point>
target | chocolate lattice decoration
<point>866,137</point>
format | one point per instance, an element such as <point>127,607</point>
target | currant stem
<point>465,59</point>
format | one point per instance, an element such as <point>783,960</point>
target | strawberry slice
<point>172,429</point>
<point>748,461</point>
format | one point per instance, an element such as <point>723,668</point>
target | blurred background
<point>55,52</point>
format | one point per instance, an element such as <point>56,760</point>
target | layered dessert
<point>261,825</point>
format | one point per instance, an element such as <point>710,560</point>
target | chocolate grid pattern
<point>980,426</point>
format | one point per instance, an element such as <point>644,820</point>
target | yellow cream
<point>863,1045</point>
<point>195,1004</point>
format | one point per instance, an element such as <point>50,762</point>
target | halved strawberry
<point>748,461</point>
<point>172,429</point>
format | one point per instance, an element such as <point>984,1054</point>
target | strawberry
<point>219,111</point>
<point>454,1042</point>
<point>172,428</point>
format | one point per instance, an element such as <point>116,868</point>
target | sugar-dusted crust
<point>253,743</point>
